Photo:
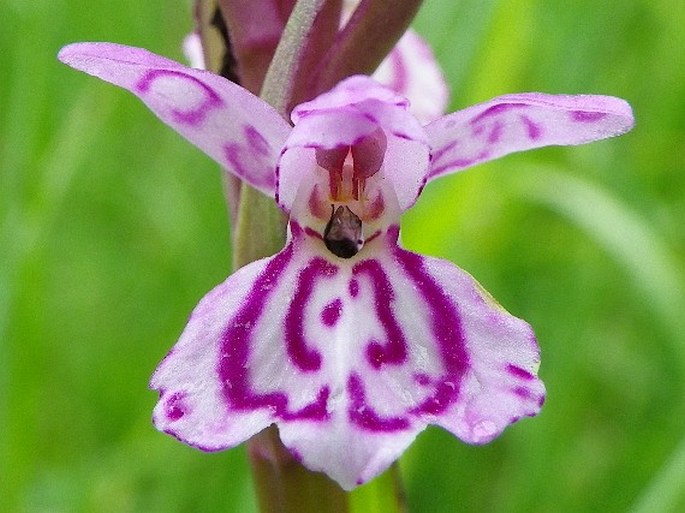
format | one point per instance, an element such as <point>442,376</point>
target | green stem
<point>259,229</point>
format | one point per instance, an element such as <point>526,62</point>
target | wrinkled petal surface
<point>521,122</point>
<point>411,70</point>
<point>350,358</point>
<point>238,130</point>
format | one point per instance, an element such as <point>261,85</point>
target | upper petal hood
<point>344,116</point>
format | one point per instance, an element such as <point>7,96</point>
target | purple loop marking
<point>192,117</point>
<point>243,161</point>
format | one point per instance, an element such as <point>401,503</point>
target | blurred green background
<point>113,227</point>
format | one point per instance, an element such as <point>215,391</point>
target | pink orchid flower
<point>351,344</point>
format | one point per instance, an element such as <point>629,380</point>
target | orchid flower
<point>351,344</point>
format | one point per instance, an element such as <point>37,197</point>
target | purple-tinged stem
<point>366,39</point>
<point>254,29</point>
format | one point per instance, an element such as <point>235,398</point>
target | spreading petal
<point>350,358</point>
<point>238,130</point>
<point>520,122</point>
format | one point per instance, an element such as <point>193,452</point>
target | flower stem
<point>283,485</point>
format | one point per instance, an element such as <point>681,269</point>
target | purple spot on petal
<point>304,358</point>
<point>496,133</point>
<point>532,128</point>
<point>519,372</point>
<point>353,287</point>
<point>523,392</point>
<point>422,378</point>
<point>175,408</point>
<point>256,141</point>
<point>331,312</point>
<point>364,416</point>
<point>586,117</point>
